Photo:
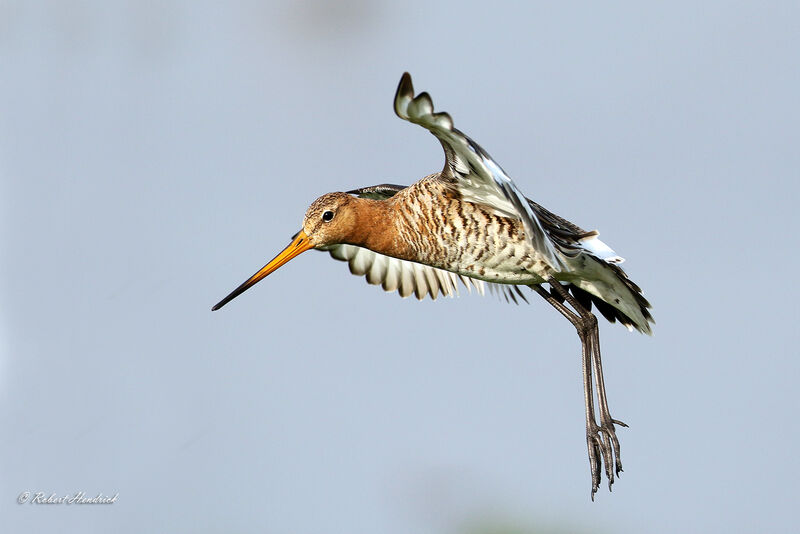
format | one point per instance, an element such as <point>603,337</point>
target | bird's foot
<point>603,451</point>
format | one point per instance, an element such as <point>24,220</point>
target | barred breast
<point>440,229</point>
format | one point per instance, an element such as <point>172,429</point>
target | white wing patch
<point>599,249</point>
<point>476,176</point>
<point>410,278</point>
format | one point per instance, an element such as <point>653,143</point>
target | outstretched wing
<point>410,278</point>
<point>471,171</point>
<point>405,277</point>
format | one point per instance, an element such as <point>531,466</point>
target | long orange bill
<point>300,244</point>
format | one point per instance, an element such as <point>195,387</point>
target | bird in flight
<point>471,223</point>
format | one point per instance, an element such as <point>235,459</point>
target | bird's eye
<point>327,216</point>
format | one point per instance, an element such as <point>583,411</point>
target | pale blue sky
<point>154,154</point>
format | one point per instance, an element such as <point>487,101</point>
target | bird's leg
<point>601,439</point>
<point>605,433</point>
<point>606,421</point>
<point>595,445</point>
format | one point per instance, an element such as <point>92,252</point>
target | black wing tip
<point>405,88</point>
<point>445,115</point>
<point>405,81</point>
<point>424,95</point>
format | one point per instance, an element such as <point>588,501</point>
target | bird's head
<point>329,220</point>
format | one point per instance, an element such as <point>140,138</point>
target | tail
<point>615,296</point>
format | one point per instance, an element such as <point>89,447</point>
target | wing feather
<point>392,280</point>
<point>360,263</point>
<point>470,169</point>
<point>377,272</point>
<point>406,281</point>
<point>410,278</point>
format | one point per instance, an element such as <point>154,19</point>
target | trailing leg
<point>601,440</point>
<point>606,421</point>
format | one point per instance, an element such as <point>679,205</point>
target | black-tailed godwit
<point>471,223</point>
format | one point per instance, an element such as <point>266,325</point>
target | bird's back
<point>440,229</point>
